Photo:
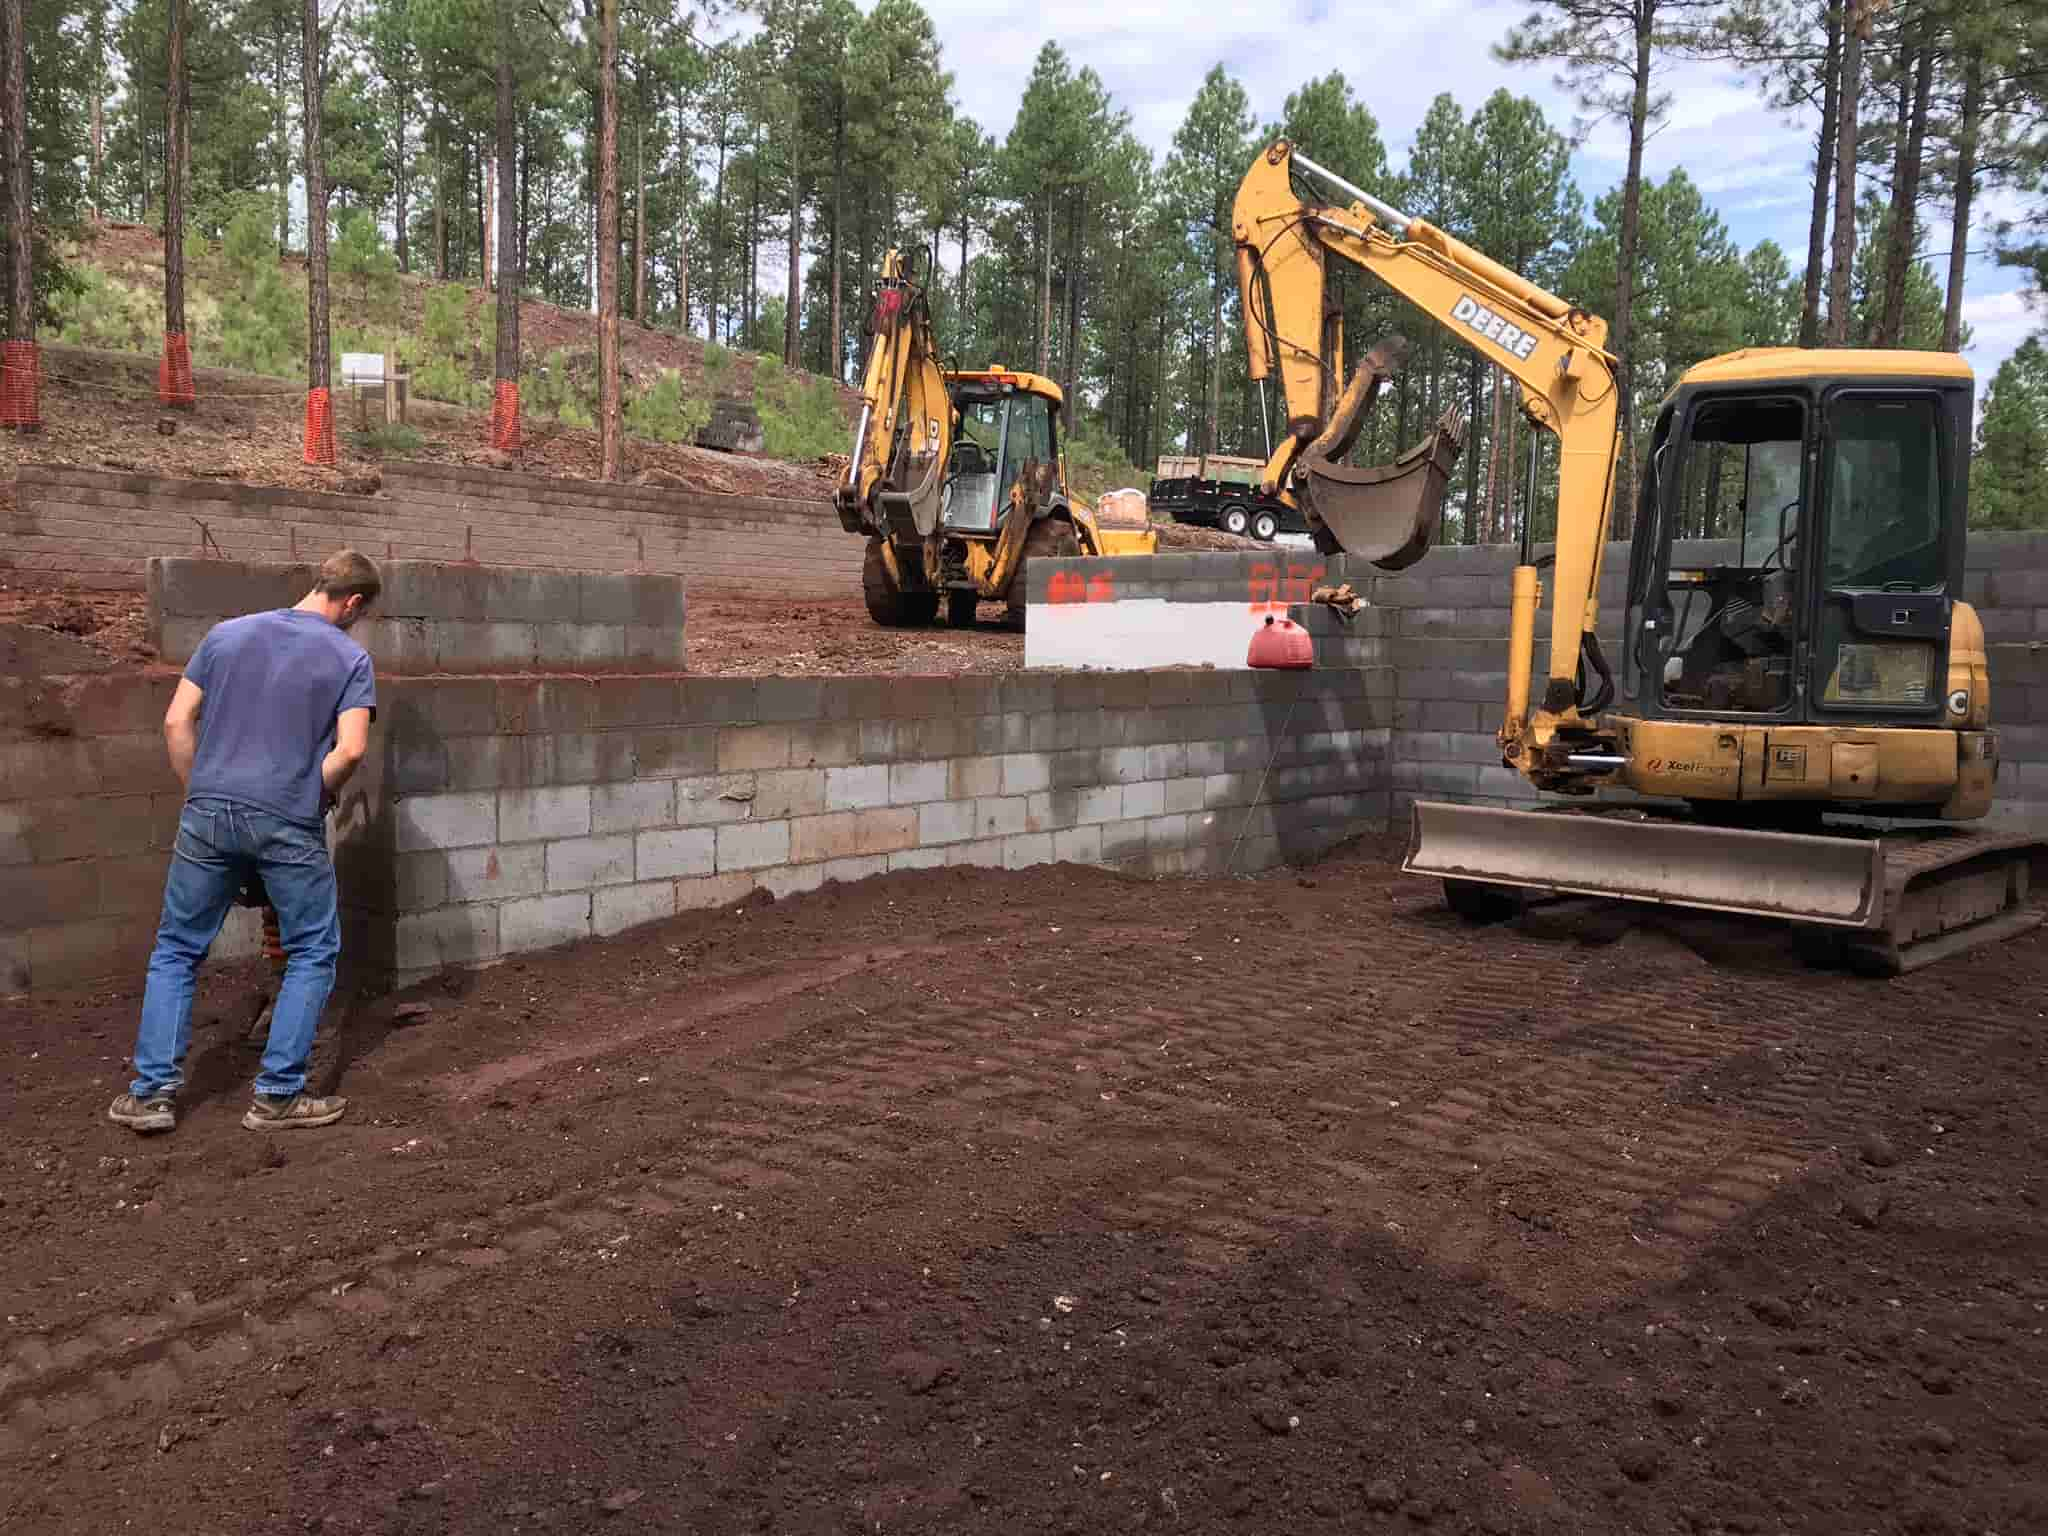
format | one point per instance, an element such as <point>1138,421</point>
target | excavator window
<point>1733,600</point>
<point>993,439</point>
<point>1884,495</point>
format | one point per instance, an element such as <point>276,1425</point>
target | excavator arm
<point>898,466</point>
<point>1554,350</point>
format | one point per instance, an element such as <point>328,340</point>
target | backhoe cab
<point>956,479</point>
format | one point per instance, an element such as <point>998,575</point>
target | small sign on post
<point>360,371</point>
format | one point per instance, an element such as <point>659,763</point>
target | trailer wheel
<point>1478,902</point>
<point>1236,520</point>
<point>1264,527</point>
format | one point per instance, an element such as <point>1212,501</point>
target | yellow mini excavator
<point>1802,716</point>
<point>956,478</point>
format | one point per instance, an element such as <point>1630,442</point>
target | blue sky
<point>1752,164</point>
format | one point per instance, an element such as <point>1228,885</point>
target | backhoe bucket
<point>913,513</point>
<point>1387,513</point>
<point>1838,881</point>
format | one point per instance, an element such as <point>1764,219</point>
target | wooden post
<point>391,413</point>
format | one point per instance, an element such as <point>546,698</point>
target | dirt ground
<point>1056,1202</point>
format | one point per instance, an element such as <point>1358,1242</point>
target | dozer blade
<point>1837,881</point>
<point>1386,513</point>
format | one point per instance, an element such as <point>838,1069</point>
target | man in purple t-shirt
<point>270,719</point>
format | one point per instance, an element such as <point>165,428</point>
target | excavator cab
<point>1000,425</point>
<point>1798,549</point>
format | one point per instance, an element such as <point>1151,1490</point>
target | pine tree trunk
<point>490,230</point>
<point>838,208</point>
<point>1215,410</point>
<point>174,174</point>
<point>318,368</point>
<point>1906,203</point>
<point>792,330</point>
<point>608,236</point>
<point>1474,531</point>
<point>1966,188</point>
<point>640,200</point>
<point>1841,272</point>
<point>1823,176</point>
<point>284,146</point>
<point>1625,267</point>
<point>1045,309</point>
<point>754,238</point>
<point>510,277</point>
<point>1072,369</point>
<point>717,238</point>
<point>399,188</point>
<point>965,328</point>
<point>21,272</point>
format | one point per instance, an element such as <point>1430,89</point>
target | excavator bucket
<point>1386,513</point>
<point>1836,881</point>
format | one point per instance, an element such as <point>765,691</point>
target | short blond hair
<point>346,573</point>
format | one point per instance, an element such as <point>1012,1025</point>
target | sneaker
<point>301,1112</point>
<point>156,1113</point>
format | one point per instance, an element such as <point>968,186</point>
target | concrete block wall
<point>438,617</point>
<point>510,814</point>
<point>98,530</point>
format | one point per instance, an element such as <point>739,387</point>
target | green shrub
<point>263,328</point>
<point>556,389</point>
<point>103,311</point>
<point>362,259</point>
<point>395,440</point>
<point>718,370</point>
<point>664,413</point>
<point>800,414</point>
<point>442,378</point>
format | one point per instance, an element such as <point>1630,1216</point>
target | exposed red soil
<point>1056,1201</point>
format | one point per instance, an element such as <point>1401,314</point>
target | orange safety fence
<point>319,428</point>
<point>505,416</point>
<point>174,373</point>
<point>21,366</point>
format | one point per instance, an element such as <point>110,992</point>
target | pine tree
<point>2009,476</point>
<point>1211,150</point>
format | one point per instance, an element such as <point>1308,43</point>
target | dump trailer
<point>956,479</point>
<point>1800,728</point>
<point>1219,491</point>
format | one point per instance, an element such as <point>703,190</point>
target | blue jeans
<point>220,845</point>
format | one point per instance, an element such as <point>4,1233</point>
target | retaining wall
<point>1441,628</point>
<point>97,530</point>
<point>436,617</point>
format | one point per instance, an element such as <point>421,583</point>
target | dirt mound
<point>1184,537</point>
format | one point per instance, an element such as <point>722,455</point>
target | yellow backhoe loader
<point>1802,719</point>
<point>956,478</point>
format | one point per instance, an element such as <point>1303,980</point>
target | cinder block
<point>619,907</point>
<point>784,792</point>
<point>846,871</point>
<point>968,778</point>
<point>856,788</point>
<point>877,741</point>
<point>945,821</point>
<point>583,645</point>
<point>531,596</point>
<point>1186,795</point>
<point>418,881</point>
<point>824,744</point>
<point>1001,817</point>
<point>1121,765</point>
<point>473,646</point>
<point>630,806</point>
<point>987,853</point>
<point>1123,840</point>
<point>35,894</point>
<point>489,762</point>
<point>541,922</point>
<point>916,783</point>
<point>460,935</point>
<point>62,766</point>
<point>917,858</point>
<point>529,815</point>
<point>712,891</point>
<point>848,834</point>
<point>578,862</point>
<point>657,649</point>
<point>676,754</point>
<point>1099,803</point>
<point>495,874</point>
<point>522,705</point>
<point>608,598</point>
<point>224,588</point>
<point>752,845</point>
<point>588,757</point>
<point>1026,849</point>
<point>675,853</point>
<point>784,699</point>
<point>1163,832</point>
<point>759,746</point>
<point>1147,798</point>
<point>719,798</point>
<point>1078,845</point>
<point>786,880</point>
<point>716,700</point>
<point>637,701</point>
<point>1025,772</point>
<point>445,821</point>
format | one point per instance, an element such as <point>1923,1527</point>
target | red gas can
<point>1281,643</point>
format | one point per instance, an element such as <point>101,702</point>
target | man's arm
<point>351,741</point>
<point>181,728</point>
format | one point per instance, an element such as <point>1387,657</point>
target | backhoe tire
<point>889,605</point>
<point>1050,538</point>
<point>960,608</point>
<point>1478,902</point>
